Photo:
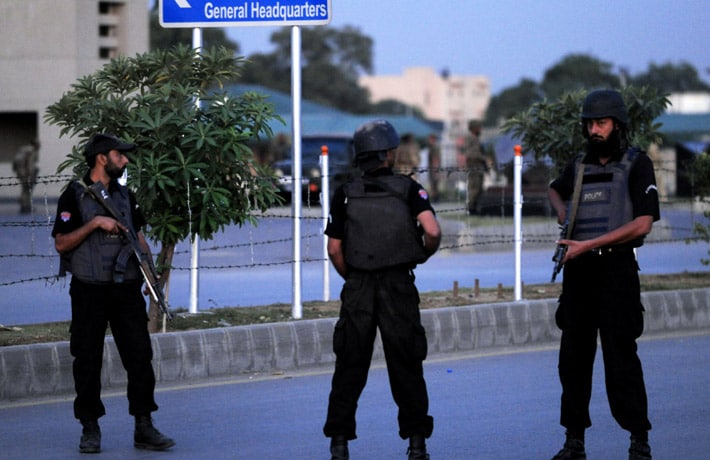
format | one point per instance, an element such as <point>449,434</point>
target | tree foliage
<point>193,171</point>
<point>512,100</point>
<point>552,128</point>
<point>577,72</point>
<point>700,169</point>
<point>669,77</point>
<point>573,72</point>
<point>332,60</point>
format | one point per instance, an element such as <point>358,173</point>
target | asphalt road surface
<point>502,405</point>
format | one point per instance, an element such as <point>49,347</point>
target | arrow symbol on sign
<point>183,4</point>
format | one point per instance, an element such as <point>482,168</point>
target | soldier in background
<point>408,157</point>
<point>25,166</point>
<point>434,162</point>
<point>477,164</point>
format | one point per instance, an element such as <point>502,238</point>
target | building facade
<point>450,99</point>
<point>47,46</point>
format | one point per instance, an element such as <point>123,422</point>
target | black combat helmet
<point>372,140</point>
<point>605,103</point>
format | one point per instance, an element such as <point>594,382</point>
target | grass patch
<point>225,317</point>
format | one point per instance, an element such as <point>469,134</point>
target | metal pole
<point>296,306</point>
<point>195,247</point>
<point>517,217</point>
<point>325,206</point>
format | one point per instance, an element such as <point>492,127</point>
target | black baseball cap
<point>104,143</point>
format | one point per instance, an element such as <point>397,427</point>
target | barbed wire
<point>453,242</point>
<point>659,166</point>
<point>544,239</point>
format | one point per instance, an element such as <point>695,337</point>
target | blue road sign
<point>231,13</point>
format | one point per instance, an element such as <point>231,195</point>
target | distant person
<point>279,148</point>
<point>408,156</point>
<point>477,164</point>
<point>89,242</point>
<point>381,226</point>
<point>434,161</point>
<point>25,166</point>
<point>600,290</point>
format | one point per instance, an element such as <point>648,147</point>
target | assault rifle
<point>570,217</point>
<point>560,252</point>
<point>145,263</point>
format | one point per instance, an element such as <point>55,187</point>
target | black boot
<point>146,436</point>
<point>90,442</point>
<point>417,448</point>
<point>339,448</point>
<point>639,448</point>
<point>573,448</point>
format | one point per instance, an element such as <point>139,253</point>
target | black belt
<point>610,250</point>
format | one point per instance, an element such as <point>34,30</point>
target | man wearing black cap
<point>381,226</point>
<point>90,243</point>
<point>616,208</point>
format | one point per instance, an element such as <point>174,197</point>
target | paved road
<point>486,406</point>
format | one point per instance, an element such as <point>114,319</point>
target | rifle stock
<point>145,263</point>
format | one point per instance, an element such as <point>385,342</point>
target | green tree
<point>166,38</point>
<point>552,127</point>
<point>511,101</point>
<point>671,78</point>
<point>701,183</point>
<point>575,72</point>
<point>332,60</point>
<point>193,171</point>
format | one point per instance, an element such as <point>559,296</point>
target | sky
<point>508,40</point>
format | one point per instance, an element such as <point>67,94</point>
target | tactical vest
<point>380,230</point>
<point>103,257</point>
<point>604,202</point>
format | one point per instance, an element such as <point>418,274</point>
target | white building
<point>450,99</point>
<point>687,103</point>
<point>47,46</point>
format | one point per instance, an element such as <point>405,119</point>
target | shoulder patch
<point>423,194</point>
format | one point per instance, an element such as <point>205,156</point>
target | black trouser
<point>389,300</point>
<point>123,307</point>
<point>601,295</point>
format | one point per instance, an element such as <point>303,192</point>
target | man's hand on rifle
<point>574,248</point>
<point>109,224</point>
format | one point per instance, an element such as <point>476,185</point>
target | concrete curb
<point>30,371</point>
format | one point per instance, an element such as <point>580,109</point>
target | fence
<point>28,257</point>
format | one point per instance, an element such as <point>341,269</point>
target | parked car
<point>340,159</point>
<point>497,199</point>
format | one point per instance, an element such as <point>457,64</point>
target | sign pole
<point>209,13</point>
<point>296,306</point>
<point>195,247</point>
<point>518,218</point>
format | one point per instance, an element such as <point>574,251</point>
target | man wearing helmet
<point>381,226</point>
<point>601,296</point>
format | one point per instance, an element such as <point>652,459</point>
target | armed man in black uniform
<point>381,226</point>
<point>106,290</point>
<point>600,290</point>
